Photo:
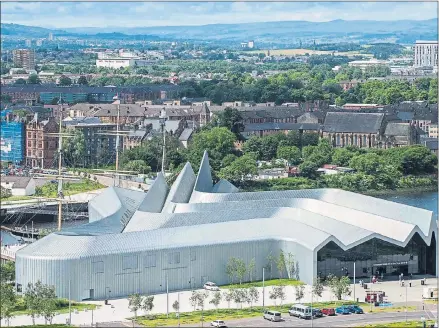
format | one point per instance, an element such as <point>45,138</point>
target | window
<point>193,255</point>
<point>129,262</point>
<point>174,258</point>
<point>97,267</point>
<point>150,261</point>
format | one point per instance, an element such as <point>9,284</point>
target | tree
<point>176,306</point>
<point>369,163</point>
<point>239,169</point>
<point>317,287</point>
<point>47,303</point>
<point>290,153</point>
<point>231,119</point>
<point>65,81</point>
<point>253,295</point>
<point>269,267</point>
<point>74,149</point>
<point>277,292</point>
<point>8,301</point>
<point>299,291</point>
<point>342,156</point>
<point>148,303</point>
<point>20,81</point>
<point>239,296</point>
<point>253,145</point>
<point>228,296</point>
<point>290,265</point>
<point>7,269</point>
<point>33,79</point>
<point>308,169</point>
<point>280,263</point>
<point>216,299</point>
<point>339,286</point>
<point>417,160</point>
<point>82,80</point>
<point>193,299</point>
<point>218,141</point>
<point>241,269</point>
<point>135,303</point>
<point>32,300</point>
<point>138,166</point>
<point>231,269</point>
<point>251,268</point>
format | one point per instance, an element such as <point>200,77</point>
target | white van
<point>301,311</point>
<point>272,315</point>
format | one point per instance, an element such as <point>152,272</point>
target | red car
<point>328,312</point>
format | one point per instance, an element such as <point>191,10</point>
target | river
<point>426,200</point>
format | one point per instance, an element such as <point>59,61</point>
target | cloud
<point>135,14</point>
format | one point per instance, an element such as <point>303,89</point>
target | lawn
<point>55,325</point>
<point>271,282</point>
<point>50,190</point>
<point>409,324</point>
<point>14,198</point>
<point>160,320</point>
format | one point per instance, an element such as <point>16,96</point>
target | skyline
<point>98,14</point>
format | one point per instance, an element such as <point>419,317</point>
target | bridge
<point>7,253</point>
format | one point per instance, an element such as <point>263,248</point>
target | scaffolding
<point>12,142</point>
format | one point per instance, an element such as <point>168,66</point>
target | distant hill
<point>403,31</point>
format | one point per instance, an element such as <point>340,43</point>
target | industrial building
<point>184,235</point>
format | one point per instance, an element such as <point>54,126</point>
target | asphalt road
<point>334,321</point>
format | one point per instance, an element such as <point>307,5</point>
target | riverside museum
<point>186,233</point>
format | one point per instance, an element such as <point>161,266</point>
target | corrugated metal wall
<point>196,266</point>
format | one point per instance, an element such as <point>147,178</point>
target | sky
<point>136,14</point>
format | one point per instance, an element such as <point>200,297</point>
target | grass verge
<point>400,324</point>
<point>62,307</point>
<point>187,318</point>
<point>271,282</point>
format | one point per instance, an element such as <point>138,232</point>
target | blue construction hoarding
<point>12,142</point>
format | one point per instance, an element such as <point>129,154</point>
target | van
<point>272,315</point>
<point>301,311</point>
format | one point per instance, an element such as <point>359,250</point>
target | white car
<point>210,286</point>
<point>218,323</point>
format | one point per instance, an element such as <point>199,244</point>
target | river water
<point>426,200</point>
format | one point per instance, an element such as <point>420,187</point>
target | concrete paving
<point>118,310</point>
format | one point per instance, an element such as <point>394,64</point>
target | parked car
<point>342,310</point>
<point>218,323</point>
<point>272,315</point>
<point>355,309</point>
<point>317,313</point>
<point>328,311</point>
<point>210,286</point>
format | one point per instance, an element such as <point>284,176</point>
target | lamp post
<point>263,287</point>
<point>370,294</point>
<point>405,303</point>
<point>178,313</point>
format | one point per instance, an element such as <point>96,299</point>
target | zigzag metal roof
<point>131,221</point>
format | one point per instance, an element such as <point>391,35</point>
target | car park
<point>328,311</point>
<point>218,323</point>
<point>272,315</point>
<point>210,286</point>
<point>355,309</point>
<point>342,310</point>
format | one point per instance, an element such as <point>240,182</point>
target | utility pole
<point>354,282</point>
<point>60,169</point>
<point>263,287</point>
<point>167,297</point>
<point>117,137</point>
<point>312,313</point>
<point>70,307</point>
<point>405,303</point>
<point>162,120</point>
<point>178,301</point>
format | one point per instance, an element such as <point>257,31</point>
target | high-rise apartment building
<point>51,36</point>
<point>39,43</point>
<point>24,58</point>
<point>28,43</point>
<point>426,54</point>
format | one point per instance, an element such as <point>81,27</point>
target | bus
<point>301,311</point>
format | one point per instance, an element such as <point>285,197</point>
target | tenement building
<point>144,243</point>
<point>41,145</point>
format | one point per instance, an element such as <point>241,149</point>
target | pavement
<point>118,310</point>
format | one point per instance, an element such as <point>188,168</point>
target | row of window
<point>131,262</point>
